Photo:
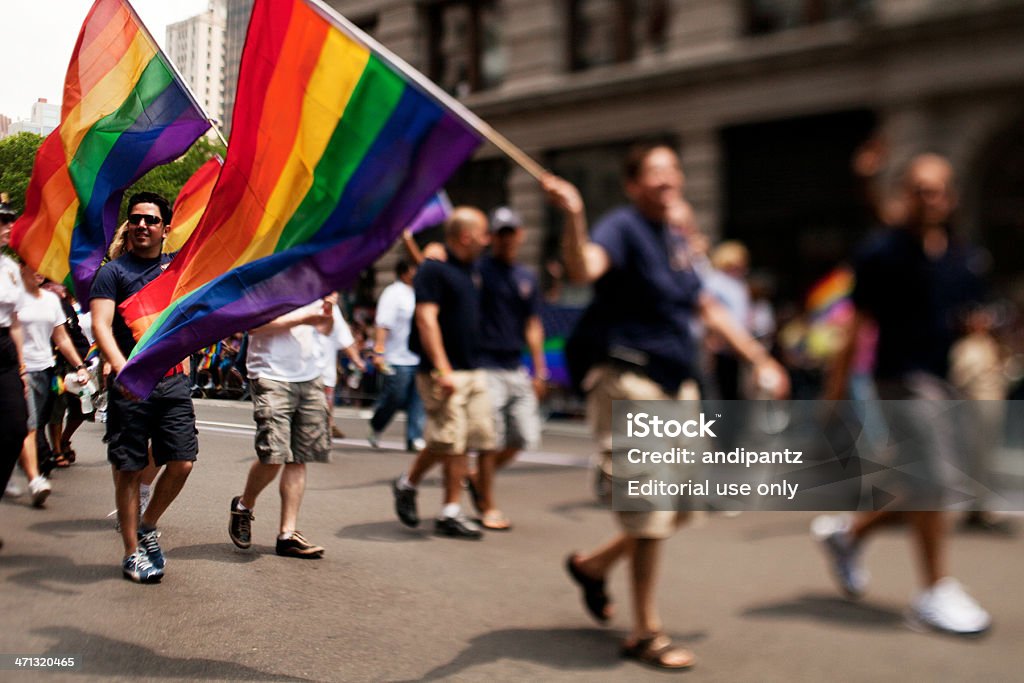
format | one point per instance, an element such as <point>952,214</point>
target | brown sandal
<point>658,651</point>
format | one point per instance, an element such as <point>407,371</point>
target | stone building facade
<point>765,100</point>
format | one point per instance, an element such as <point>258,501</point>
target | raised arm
<point>585,261</point>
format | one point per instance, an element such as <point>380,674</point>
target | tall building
<point>44,118</point>
<point>238,12</point>
<point>766,101</point>
<point>5,124</point>
<point>196,46</point>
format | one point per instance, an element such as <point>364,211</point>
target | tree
<point>17,155</point>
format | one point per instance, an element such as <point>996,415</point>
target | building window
<point>467,52</point>
<point>772,16</point>
<point>613,31</point>
<point>367,24</point>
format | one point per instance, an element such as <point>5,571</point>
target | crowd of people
<point>671,318</point>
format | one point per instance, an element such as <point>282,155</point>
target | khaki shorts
<point>516,414</point>
<point>461,422</point>
<point>291,421</point>
<point>605,384</point>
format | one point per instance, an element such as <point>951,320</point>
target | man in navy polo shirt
<point>166,420</point>
<point>640,346</point>
<point>446,337</point>
<point>510,322</point>
<point>911,281</point>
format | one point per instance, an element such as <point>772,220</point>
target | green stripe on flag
<point>373,100</point>
<point>104,134</point>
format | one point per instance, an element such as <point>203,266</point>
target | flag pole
<point>432,89</point>
<point>177,74</point>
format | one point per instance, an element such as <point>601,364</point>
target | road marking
<point>538,457</point>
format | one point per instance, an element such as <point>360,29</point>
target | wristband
<point>81,366</point>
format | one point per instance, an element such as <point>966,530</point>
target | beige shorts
<point>605,384</point>
<point>462,421</point>
<point>291,421</point>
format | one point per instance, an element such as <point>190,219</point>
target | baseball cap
<point>7,212</point>
<point>504,217</point>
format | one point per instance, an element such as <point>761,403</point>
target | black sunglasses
<point>140,218</point>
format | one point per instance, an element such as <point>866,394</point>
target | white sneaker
<point>419,444</point>
<point>12,489</point>
<point>39,488</point>
<point>833,533</point>
<point>947,607</point>
<point>374,439</point>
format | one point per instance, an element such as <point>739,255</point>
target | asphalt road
<point>750,594</point>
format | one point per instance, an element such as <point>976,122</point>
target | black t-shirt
<point>455,287</point>
<point>915,300</point>
<point>118,280</point>
<point>644,306</point>
<point>510,296</point>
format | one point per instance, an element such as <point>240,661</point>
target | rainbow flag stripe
<point>124,112</point>
<point>333,152</point>
<point>191,203</point>
<point>830,291</point>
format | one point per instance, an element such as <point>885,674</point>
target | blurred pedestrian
<point>509,322</point>
<point>910,281</point>
<point>395,362</point>
<point>636,342</point>
<point>43,322</point>
<point>13,407</point>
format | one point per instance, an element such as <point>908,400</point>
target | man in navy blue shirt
<point>910,282</point>
<point>510,322</point>
<point>446,336</point>
<point>166,420</point>
<point>638,330</point>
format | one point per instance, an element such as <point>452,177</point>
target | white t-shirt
<point>395,311</point>
<point>339,338</point>
<point>11,290</point>
<point>291,355</point>
<point>39,316</point>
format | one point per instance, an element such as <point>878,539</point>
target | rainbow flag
<point>336,145</point>
<point>191,203</point>
<point>124,112</point>
<point>433,212</point>
<point>829,293</point>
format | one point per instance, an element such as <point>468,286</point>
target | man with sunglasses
<point>166,420</point>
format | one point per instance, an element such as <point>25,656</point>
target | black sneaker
<point>240,525</point>
<point>457,527</point>
<point>405,505</point>
<point>297,546</point>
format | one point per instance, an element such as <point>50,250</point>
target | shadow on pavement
<point>70,527</point>
<point>107,657</point>
<point>833,610</point>
<point>386,532</point>
<point>785,528</point>
<point>219,552</point>
<point>43,571</point>
<point>563,649</point>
